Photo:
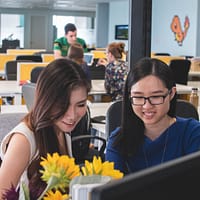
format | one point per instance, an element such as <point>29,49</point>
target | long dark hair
<point>131,134</point>
<point>53,91</point>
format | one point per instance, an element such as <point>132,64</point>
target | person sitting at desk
<point>76,54</point>
<point>59,105</point>
<point>116,70</point>
<point>150,133</point>
<point>61,45</point>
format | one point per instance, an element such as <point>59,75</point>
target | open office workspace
<point>102,27</point>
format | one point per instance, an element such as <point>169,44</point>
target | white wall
<point>163,39</point>
<point>118,14</point>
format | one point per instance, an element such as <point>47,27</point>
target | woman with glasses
<point>150,133</point>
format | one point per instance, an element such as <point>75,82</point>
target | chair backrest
<point>33,58</point>
<point>97,72</point>
<point>11,69</point>
<point>81,150</point>
<point>186,109</point>
<point>28,92</point>
<point>180,69</point>
<point>113,117</point>
<point>35,72</point>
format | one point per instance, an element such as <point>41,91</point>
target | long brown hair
<point>53,91</point>
<point>76,53</point>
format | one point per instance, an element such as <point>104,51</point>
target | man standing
<point>61,45</point>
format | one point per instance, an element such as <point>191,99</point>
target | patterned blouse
<point>115,76</point>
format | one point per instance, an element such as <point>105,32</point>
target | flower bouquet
<point>60,173</point>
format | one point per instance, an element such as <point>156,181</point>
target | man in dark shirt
<point>61,45</point>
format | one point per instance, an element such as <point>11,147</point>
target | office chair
<point>28,92</point>
<point>31,58</point>
<point>186,109</point>
<point>35,72</point>
<point>113,117</point>
<point>81,148</point>
<point>180,69</point>
<point>97,72</point>
<point>162,54</point>
<point>11,69</point>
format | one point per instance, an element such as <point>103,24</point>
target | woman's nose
<point>147,103</point>
<point>70,113</point>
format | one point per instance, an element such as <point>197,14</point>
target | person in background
<point>116,70</point>
<point>60,103</point>
<point>61,45</point>
<point>150,133</point>
<point>76,54</point>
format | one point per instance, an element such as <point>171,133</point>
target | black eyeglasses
<point>153,100</point>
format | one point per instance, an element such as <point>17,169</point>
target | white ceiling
<point>78,5</point>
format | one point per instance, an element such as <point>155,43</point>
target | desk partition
<point>4,58</point>
<point>47,58</point>
<point>24,70</point>
<point>23,51</point>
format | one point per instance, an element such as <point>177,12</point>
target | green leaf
<point>24,192</point>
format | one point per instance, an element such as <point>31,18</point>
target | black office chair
<point>97,72</point>
<point>162,54</point>
<point>180,69</point>
<point>11,69</point>
<point>113,117</point>
<point>186,109</point>
<point>81,148</point>
<point>35,72</point>
<point>32,58</point>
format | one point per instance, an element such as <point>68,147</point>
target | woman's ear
<point>173,92</point>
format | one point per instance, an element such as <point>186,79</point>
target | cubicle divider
<point>4,58</point>
<point>24,70</point>
<point>47,57</point>
<point>167,59</point>
<point>23,51</point>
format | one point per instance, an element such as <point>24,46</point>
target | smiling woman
<point>150,132</point>
<point>59,104</point>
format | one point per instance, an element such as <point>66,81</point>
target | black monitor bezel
<point>175,179</point>
<point>118,28</point>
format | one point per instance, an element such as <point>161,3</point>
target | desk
<point>2,73</point>
<point>183,89</point>
<point>97,89</point>
<point>194,74</point>
<point>11,88</point>
<point>13,109</point>
<point>99,109</point>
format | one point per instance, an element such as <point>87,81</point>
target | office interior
<point>150,33</point>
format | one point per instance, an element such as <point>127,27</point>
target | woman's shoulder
<point>23,129</point>
<point>114,133</point>
<point>187,123</point>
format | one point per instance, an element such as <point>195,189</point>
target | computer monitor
<point>121,32</point>
<point>88,57</point>
<point>178,179</point>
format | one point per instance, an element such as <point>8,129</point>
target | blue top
<point>181,138</point>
